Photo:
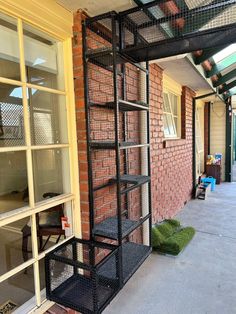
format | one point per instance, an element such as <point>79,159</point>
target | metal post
<point>194,147</point>
<point>117,129</point>
<point>209,128</point>
<point>228,147</point>
<point>149,152</point>
<point>87,113</point>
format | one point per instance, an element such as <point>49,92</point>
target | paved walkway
<point>234,172</point>
<point>202,280</point>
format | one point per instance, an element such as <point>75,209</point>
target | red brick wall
<point>81,122</point>
<point>171,160</point>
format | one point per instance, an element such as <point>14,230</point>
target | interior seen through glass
<point>47,124</point>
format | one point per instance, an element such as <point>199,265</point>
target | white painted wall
<point>217,132</point>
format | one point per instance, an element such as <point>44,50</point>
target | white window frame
<point>177,131</point>
<point>33,208</point>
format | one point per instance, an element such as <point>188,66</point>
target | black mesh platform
<point>104,58</point>
<point>72,279</point>
<point>133,180</point>
<point>77,291</point>
<point>123,105</point>
<point>133,256</point>
<point>110,145</point>
<point>136,180</point>
<point>109,228</point>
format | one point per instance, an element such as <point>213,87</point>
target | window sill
<point>173,142</point>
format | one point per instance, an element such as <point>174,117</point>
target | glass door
<point>36,197</point>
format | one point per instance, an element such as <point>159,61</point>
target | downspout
<point>209,129</point>
<point>194,147</point>
<point>228,146</point>
<point>143,96</point>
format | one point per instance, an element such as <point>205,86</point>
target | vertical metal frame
<point>228,141</point>
<point>149,151</point>
<point>117,132</point>
<point>194,147</point>
<point>87,115</point>
<point>116,47</point>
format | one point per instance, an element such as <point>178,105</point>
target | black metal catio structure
<point>86,274</point>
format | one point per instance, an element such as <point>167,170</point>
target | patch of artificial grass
<point>157,238</point>
<point>177,242</point>
<point>169,238</point>
<point>163,231</point>
<point>173,222</point>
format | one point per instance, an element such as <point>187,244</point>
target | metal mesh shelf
<point>77,293</point>
<point>133,180</point>
<point>133,256</point>
<point>108,228</point>
<point>72,277</point>
<point>118,137</point>
<point>110,145</point>
<point>104,58</point>
<point>123,105</point>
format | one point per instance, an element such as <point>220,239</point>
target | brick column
<point>81,122</point>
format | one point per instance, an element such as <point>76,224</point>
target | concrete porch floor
<point>202,280</point>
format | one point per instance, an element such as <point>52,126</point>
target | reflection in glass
<point>9,48</point>
<point>51,173</point>
<point>18,289</point>
<point>54,225</point>
<point>43,59</point>
<point>13,181</point>
<point>48,118</point>
<point>15,244</point>
<point>11,116</point>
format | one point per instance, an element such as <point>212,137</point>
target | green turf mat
<point>168,237</point>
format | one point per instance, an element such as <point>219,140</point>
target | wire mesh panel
<point>159,21</point>
<point>118,140</point>
<point>73,277</point>
<point>133,251</point>
<point>134,191</point>
<point>181,17</point>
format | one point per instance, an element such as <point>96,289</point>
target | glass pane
<point>54,225</point>
<point>51,173</point>
<point>15,244</point>
<point>166,103</point>
<point>13,181</point>
<point>9,48</point>
<point>16,290</point>
<point>166,127</point>
<point>11,116</point>
<point>43,59</point>
<point>176,123</point>
<point>48,118</point>
<point>171,125</point>
<point>42,279</point>
<point>174,104</point>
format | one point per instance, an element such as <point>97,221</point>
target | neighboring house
<point>43,139</point>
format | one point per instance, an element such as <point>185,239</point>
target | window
<point>36,188</point>
<point>171,115</point>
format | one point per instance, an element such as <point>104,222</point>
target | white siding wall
<point>217,132</point>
